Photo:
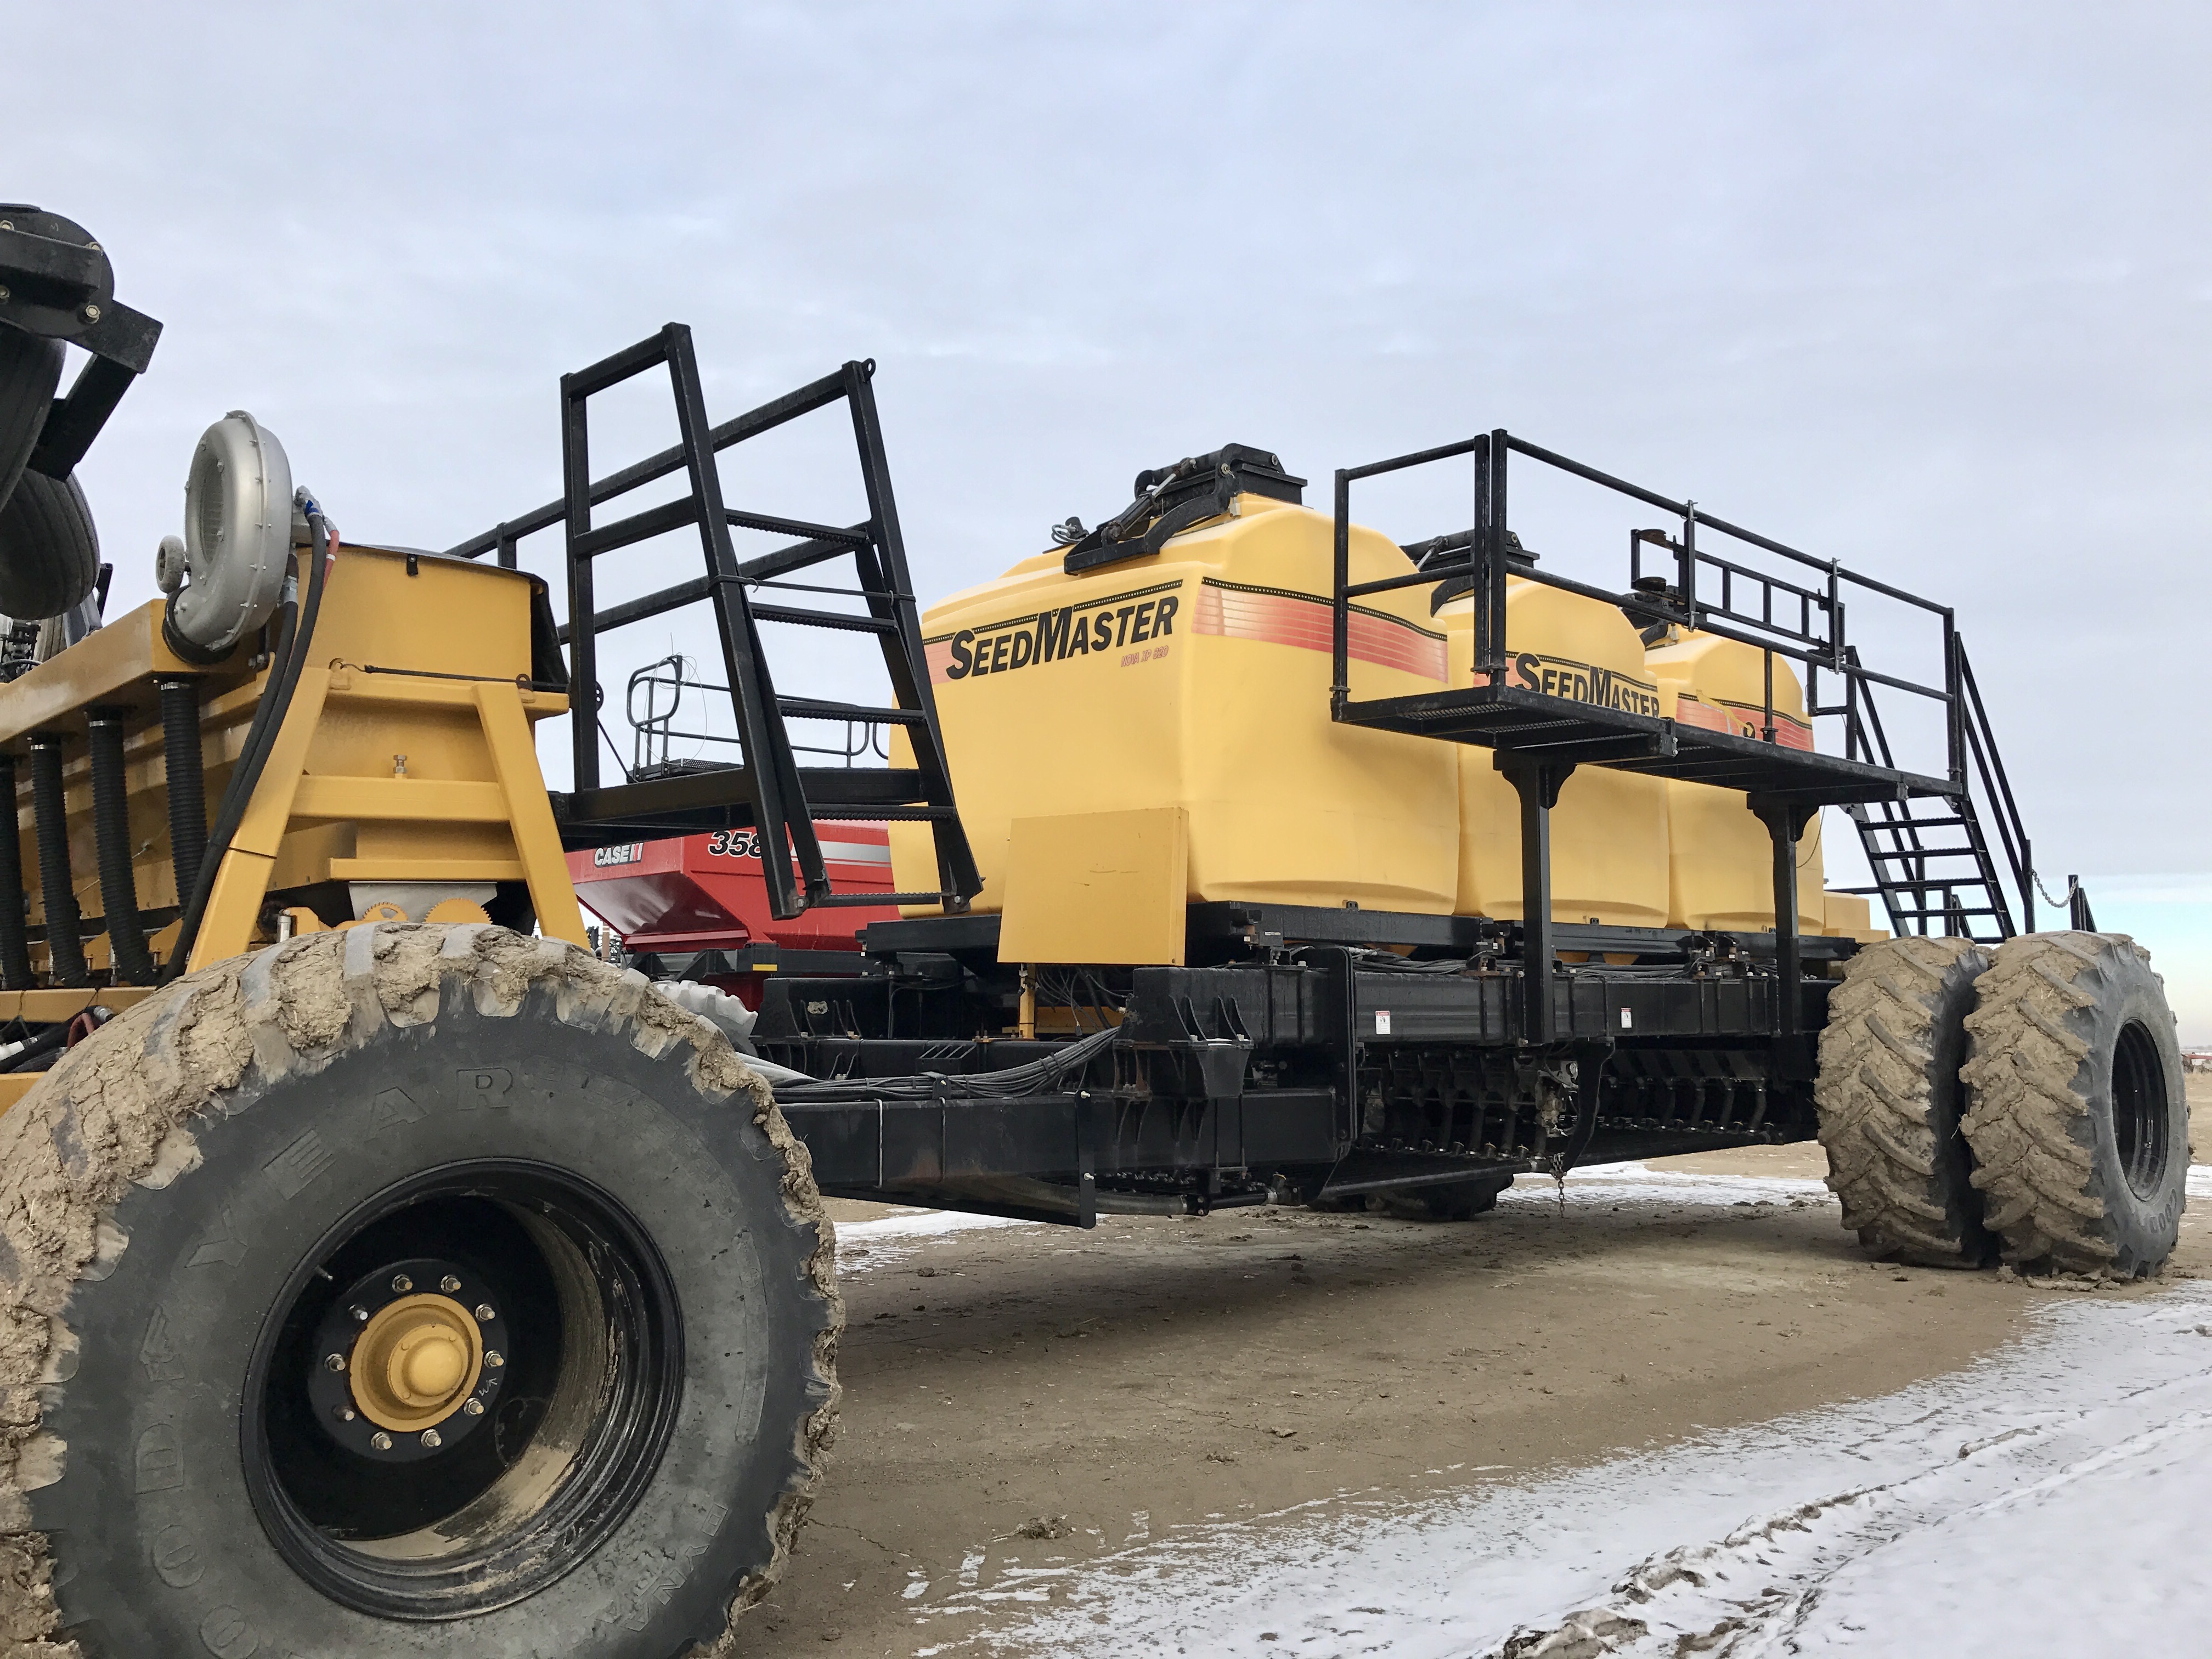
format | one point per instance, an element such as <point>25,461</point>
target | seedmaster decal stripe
<point>1280,617</point>
<point>1745,719</point>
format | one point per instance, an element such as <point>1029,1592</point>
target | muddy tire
<point>553,1193</point>
<point>2076,1110</point>
<point>1461,1201</point>
<point>1890,1101</point>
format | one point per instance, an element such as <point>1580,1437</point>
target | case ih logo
<point>632,852</point>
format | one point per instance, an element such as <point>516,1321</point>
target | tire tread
<point>1875,1094</point>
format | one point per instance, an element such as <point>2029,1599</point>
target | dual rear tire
<point>2026,1103</point>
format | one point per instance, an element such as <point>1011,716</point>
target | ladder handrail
<point>767,790</point>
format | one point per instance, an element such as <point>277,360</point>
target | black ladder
<point>779,798</point>
<point>1935,864</point>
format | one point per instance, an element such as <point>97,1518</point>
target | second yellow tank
<point>1609,831</point>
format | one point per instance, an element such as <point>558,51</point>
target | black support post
<point>1538,782</point>
<point>1785,821</point>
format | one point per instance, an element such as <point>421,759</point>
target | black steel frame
<point>770,792</point>
<point>1803,620</point>
<point>62,288</point>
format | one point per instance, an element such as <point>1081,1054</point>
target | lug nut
<point>380,1440</point>
<point>473,1405</point>
<point>92,314</point>
<point>494,1358</point>
<point>449,1284</point>
<point>432,1439</point>
<point>345,1414</point>
<point>334,1363</point>
<point>484,1314</point>
<point>5,295</point>
<point>361,1315</point>
<point>401,1283</point>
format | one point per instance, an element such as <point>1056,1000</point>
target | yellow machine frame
<point>406,757</point>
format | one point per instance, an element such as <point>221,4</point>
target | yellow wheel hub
<point>416,1362</point>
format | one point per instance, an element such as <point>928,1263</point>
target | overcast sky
<point>1926,287</point>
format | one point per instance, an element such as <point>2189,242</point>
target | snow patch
<point>2047,1500</point>
<point>864,1246</point>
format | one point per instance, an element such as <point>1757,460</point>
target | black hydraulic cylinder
<point>14,944</point>
<point>111,834</point>
<point>50,812</point>
<point>188,781</point>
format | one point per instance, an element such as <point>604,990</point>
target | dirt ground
<point>1161,1371</point>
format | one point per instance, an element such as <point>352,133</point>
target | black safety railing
<point>1944,837</point>
<point>1968,868</point>
<point>655,700</point>
<point>1702,589</point>
<point>769,790</point>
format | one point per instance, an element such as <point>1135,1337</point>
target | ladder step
<point>638,527</point>
<point>813,708</point>
<point>781,613</point>
<point>1912,824</point>
<point>890,814</point>
<point>813,532</point>
<point>856,900</point>
<point>1895,855</point>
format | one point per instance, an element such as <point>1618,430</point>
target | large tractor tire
<point>2076,1107</point>
<point>405,1290</point>
<point>1890,1101</point>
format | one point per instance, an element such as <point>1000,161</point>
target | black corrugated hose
<point>49,815</point>
<point>110,840</point>
<point>15,942</point>
<point>295,637</point>
<point>187,782</point>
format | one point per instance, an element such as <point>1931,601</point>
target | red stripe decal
<point>1305,621</point>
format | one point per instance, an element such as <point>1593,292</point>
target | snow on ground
<point>2050,1500</point>
<point>864,1246</point>
<point>1641,1184</point>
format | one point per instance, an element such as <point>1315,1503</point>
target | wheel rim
<point>2140,1115</point>
<point>463,1391</point>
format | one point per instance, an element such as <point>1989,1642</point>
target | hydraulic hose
<point>188,781</point>
<point>295,637</point>
<point>25,1058</point>
<point>111,837</point>
<point>15,942</point>
<point>49,813</point>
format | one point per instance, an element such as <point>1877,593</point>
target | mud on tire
<point>2075,1106</point>
<point>1889,1100</point>
<point>192,1199</point>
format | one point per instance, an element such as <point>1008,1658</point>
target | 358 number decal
<point>734,844</point>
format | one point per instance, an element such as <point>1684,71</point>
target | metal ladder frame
<point>769,793</point>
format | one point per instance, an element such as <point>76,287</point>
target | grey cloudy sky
<point>1926,286</point>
